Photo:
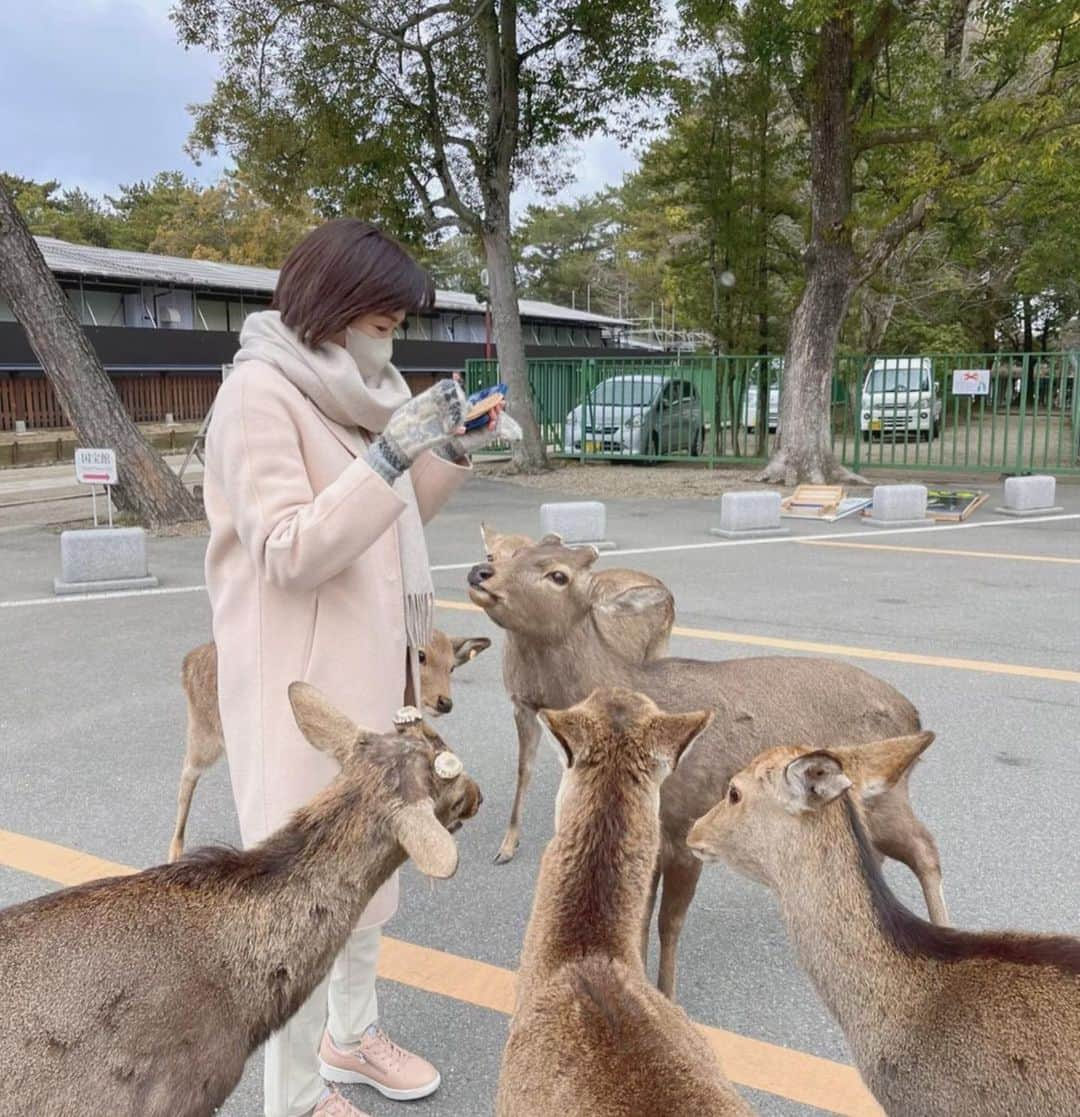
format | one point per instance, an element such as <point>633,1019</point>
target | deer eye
<point>421,655</point>
<point>559,577</point>
<point>734,795</point>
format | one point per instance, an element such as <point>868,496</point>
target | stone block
<point>100,559</point>
<point>577,522</point>
<point>1029,496</point>
<point>20,426</point>
<point>749,514</point>
<point>899,506</point>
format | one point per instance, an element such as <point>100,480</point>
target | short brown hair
<point>342,270</point>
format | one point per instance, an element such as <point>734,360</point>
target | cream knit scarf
<point>330,380</point>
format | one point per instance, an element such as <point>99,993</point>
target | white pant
<point>345,1003</point>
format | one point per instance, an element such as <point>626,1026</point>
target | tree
<point>72,215</point>
<point>909,107</point>
<point>442,105</point>
<point>147,487</point>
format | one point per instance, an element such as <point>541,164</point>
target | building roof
<point>90,261</point>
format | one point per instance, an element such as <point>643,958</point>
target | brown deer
<point>204,742</point>
<point>940,1021</point>
<point>637,635</point>
<point>142,996</point>
<point>589,1033</point>
<point>561,628</point>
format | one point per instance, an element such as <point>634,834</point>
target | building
<point>164,326</point>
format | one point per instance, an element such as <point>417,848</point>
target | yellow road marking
<point>784,1071</point>
<point>849,651</point>
<point>1009,555</point>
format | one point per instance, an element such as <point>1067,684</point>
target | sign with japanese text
<point>971,382</point>
<point>95,467</point>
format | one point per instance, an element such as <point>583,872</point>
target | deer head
<point>438,660</point>
<point>422,789</point>
<point>616,735</point>
<point>775,807</point>
<point>545,590</point>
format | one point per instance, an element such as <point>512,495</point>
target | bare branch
<point>895,137</point>
<point>893,234</point>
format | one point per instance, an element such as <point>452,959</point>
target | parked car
<point>646,414</point>
<point>900,398</point>
<point>750,408</point>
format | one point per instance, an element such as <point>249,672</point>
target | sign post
<point>95,467</point>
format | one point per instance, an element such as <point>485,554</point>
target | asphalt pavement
<point>978,625</point>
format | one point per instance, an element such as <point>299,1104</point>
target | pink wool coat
<point>304,579</point>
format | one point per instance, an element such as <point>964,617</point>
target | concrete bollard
<point>578,522</point>
<point>20,426</point>
<point>100,559</point>
<point>1030,496</point>
<point>744,515</point>
<point>899,506</point>
<point>169,420</point>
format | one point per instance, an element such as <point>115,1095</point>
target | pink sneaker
<point>377,1061</point>
<point>334,1105</point>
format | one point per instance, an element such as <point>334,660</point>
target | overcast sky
<point>94,93</point>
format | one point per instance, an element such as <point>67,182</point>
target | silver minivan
<point>645,414</point>
<point>900,398</point>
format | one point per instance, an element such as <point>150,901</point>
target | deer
<point>589,1033</point>
<point>204,740</point>
<point>558,619</point>
<point>941,1021</point>
<point>639,635</point>
<point>143,995</point>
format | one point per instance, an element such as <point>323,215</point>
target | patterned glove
<point>461,446</point>
<point>426,422</point>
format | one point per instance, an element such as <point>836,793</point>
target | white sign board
<point>95,467</point>
<point>971,382</point>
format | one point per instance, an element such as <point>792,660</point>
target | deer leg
<point>680,884</point>
<point>528,731</point>
<point>188,779</point>
<point>898,834</point>
<point>650,907</point>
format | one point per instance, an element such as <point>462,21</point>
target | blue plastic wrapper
<point>479,397</point>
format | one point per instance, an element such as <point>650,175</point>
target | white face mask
<point>371,354</point>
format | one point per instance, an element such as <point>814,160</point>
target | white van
<point>900,398</point>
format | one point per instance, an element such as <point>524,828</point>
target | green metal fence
<point>896,412</point>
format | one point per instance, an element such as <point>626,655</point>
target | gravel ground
<point>607,480</point>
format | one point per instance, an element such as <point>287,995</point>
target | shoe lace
<point>337,1106</point>
<point>388,1050</point>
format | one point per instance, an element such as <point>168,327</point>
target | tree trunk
<point>147,488</point>
<point>803,450</point>
<point>530,454</point>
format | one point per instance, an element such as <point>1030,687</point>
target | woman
<point>320,471</point>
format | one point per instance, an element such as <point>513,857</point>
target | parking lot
<point>978,623</point>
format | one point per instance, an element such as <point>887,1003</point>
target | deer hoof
<point>506,853</point>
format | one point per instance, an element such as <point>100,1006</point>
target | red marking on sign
<point>104,477</point>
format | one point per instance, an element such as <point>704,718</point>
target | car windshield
<point>627,392</point>
<point>903,379</point>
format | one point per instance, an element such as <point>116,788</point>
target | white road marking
<point>875,533</point>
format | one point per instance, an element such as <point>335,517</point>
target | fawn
<point>143,996</point>
<point>940,1021</point>
<point>204,742</point>
<point>563,626</point>
<point>589,1032</point>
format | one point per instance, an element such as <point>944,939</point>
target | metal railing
<point>894,412</point>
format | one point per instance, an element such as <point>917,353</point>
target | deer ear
<point>325,727</point>
<point>876,767</point>
<point>671,736</point>
<point>630,618</point>
<point>468,647</point>
<point>426,840</point>
<point>813,780</point>
<point>552,539</point>
<point>570,728</point>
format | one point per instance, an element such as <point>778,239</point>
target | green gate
<point>888,411</point>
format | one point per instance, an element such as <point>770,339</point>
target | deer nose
<point>480,573</point>
<point>443,704</point>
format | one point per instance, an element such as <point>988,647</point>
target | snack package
<point>481,404</point>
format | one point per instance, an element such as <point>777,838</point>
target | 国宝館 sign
<point>95,467</point>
